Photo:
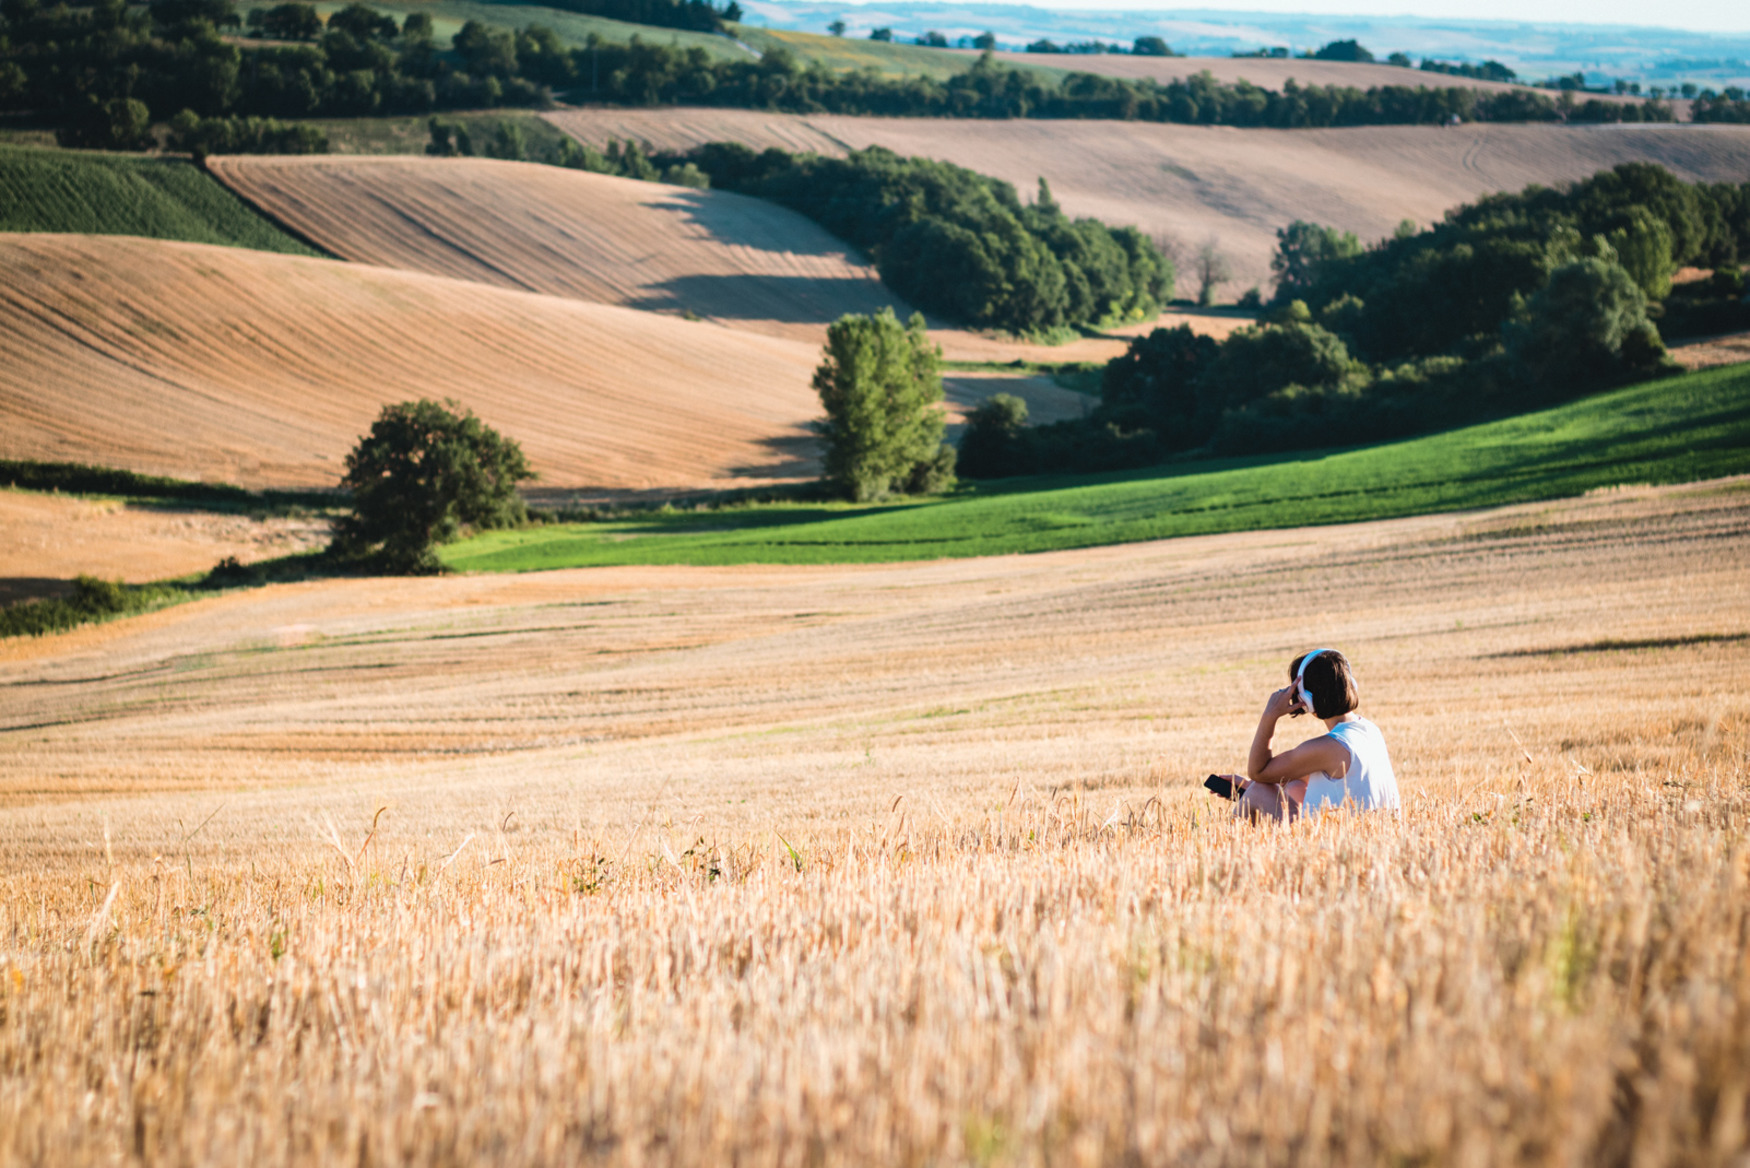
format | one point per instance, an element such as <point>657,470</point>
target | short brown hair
<point>1330,681</point>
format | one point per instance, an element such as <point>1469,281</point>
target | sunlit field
<point>898,863</point>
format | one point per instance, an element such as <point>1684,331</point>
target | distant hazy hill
<point>1651,56</point>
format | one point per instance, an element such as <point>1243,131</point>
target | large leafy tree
<point>1586,330</point>
<point>1302,248</point>
<point>424,473</point>
<point>881,384</point>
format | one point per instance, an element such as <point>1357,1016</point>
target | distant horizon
<point>1703,16</point>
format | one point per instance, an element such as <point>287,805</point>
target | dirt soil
<point>1189,184</point>
<point>262,370</point>
<point>1118,668</point>
<point>46,540</point>
<point>1729,349</point>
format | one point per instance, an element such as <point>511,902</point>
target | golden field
<point>898,864</point>
<point>263,370</point>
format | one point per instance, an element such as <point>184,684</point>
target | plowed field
<point>724,257</point>
<point>1192,183</point>
<point>262,370</point>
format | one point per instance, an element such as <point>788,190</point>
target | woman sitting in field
<point>1348,767</point>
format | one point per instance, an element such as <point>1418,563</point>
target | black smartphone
<point>1220,786</point>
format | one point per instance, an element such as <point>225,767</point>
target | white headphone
<point>1300,680</point>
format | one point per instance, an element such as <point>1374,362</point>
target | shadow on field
<point>16,588</point>
<point>785,299</point>
<point>744,221</point>
<point>1610,645</point>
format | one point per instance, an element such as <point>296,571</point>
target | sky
<point>1697,15</point>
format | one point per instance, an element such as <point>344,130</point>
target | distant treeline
<point>957,243</point>
<point>1514,302</point>
<point>1728,107</point>
<point>693,15</point>
<point>644,74</point>
<point>103,73</point>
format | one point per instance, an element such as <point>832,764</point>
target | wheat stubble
<point>904,864</point>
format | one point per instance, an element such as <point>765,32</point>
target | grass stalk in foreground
<point>1681,429</point>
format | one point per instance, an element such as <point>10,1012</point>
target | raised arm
<point>1320,754</point>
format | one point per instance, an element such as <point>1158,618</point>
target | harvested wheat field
<point>1191,183</point>
<point>897,865</point>
<point>1709,352</point>
<point>740,262</point>
<point>724,257</point>
<point>49,539</point>
<point>263,370</point>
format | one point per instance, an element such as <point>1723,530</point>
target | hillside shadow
<point>18,588</point>
<point>794,456</point>
<point>725,215</point>
<point>787,299</point>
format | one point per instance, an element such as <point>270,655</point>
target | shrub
<point>1256,362</point>
<point>92,600</point>
<point>1153,385</point>
<point>880,383</point>
<point>991,446</point>
<point>119,124</point>
<point>422,475</point>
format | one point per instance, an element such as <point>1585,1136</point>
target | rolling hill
<point>738,261</point>
<point>724,257</point>
<point>262,370</point>
<point>1682,429</point>
<point>1192,183</point>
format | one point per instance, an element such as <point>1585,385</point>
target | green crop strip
<point>1682,429</point>
<point>103,194</point>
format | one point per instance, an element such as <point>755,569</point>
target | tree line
<point>645,74</point>
<point>102,73</point>
<point>1514,302</point>
<point>955,242</point>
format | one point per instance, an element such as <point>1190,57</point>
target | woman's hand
<point>1282,703</point>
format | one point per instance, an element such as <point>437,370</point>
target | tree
<point>991,446</point>
<point>881,34</point>
<point>1258,361</point>
<point>486,51</point>
<point>1151,46</point>
<point>363,22</point>
<point>1349,50</point>
<point>837,28</point>
<point>1153,385</point>
<point>985,41</point>
<point>1301,248</point>
<point>121,123</point>
<point>933,40</point>
<point>423,474</point>
<point>292,22</point>
<point>1212,271</point>
<point>1586,330</point>
<point>880,383</point>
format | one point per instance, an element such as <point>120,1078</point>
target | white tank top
<point>1369,784</point>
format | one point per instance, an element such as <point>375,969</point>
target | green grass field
<point>1682,429</point>
<point>448,16</point>
<point>112,194</point>
<point>411,133</point>
<point>842,54</point>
